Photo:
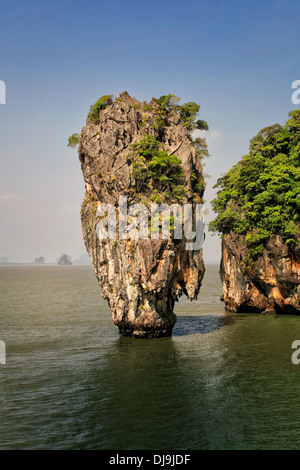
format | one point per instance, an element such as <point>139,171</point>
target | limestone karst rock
<point>64,260</point>
<point>140,278</point>
<point>258,215</point>
<point>271,285</point>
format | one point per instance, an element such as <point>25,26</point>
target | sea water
<point>70,381</point>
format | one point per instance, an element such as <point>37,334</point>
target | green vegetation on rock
<point>102,103</point>
<point>73,140</point>
<point>260,196</point>
<point>155,174</point>
<point>168,103</point>
<point>153,168</point>
<point>188,113</point>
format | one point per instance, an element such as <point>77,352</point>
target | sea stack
<point>258,215</point>
<point>141,153</point>
<point>64,260</point>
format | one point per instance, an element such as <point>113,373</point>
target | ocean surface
<point>222,381</point>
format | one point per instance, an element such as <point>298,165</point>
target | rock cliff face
<point>271,285</point>
<point>140,278</point>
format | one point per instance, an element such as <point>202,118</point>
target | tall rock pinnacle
<point>142,154</point>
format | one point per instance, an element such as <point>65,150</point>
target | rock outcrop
<point>64,260</point>
<point>257,210</point>
<point>140,278</point>
<point>271,285</point>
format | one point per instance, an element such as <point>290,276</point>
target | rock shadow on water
<point>190,325</point>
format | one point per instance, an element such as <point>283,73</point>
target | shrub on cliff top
<point>101,104</point>
<point>188,113</point>
<point>260,196</point>
<point>168,103</point>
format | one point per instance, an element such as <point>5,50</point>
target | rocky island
<point>64,260</point>
<point>258,216</point>
<point>144,154</point>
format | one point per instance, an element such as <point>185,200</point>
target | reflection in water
<point>189,325</point>
<point>157,391</point>
<point>135,395</point>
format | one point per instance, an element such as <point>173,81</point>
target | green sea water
<point>222,381</point>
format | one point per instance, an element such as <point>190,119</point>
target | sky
<point>237,59</point>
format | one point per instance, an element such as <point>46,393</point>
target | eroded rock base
<point>271,285</point>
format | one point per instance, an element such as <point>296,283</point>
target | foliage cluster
<point>260,196</point>
<point>101,104</point>
<point>74,140</point>
<point>153,168</point>
<point>188,112</point>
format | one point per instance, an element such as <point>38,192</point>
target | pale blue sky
<point>237,59</point>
